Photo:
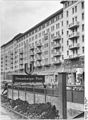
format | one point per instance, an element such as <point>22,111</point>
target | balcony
<point>39,44</point>
<point>21,63</point>
<point>73,25</point>
<point>39,58</point>
<point>56,45</point>
<point>38,64</point>
<point>56,38</point>
<point>31,53</point>
<point>31,47</point>
<point>63,1</point>
<point>56,53</point>
<point>74,35</point>
<point>72,57</point>
<point>74,46</point>
<point>56,61</point>
<point>38,51</point>
<point>20,66</point>
<point>32,59</point>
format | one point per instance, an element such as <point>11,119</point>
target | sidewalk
<point>4,114</point>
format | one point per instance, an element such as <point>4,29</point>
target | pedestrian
<point>5,89</point>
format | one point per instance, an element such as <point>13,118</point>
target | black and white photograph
<point>42,60</point>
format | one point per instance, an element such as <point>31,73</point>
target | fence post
<point>7,91</point>
<point>12,91</point>
<point>25,93</point>
<point>62,95</point>
<point>34,93</point>
<point>18,91</point>
<point>72,93</point>
<point>45,92</point>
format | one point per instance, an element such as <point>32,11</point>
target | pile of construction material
<point>33,111</point>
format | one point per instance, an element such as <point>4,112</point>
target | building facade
<point>54,45</point>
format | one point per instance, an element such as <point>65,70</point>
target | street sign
<point>29,78</point>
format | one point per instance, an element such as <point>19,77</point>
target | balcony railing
<point>32,59</point>
<point>31,47</point>
<point>39,44</point>
<point>38,58</point>
<point>63,1</point>
<point>56,45</point>
<point>31,53</point>
<point>37,64</point>
<point>38,51</point>
<point>74,35</point>
<point>74,56</point>
<point>73,25</point>
<point>56,61</point>
<point>56,53</point>
<point>56,38</point>
<point>75,46</point>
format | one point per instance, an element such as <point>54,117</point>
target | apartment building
<point>54,45</point>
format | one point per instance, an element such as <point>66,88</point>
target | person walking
<point>5,89</point>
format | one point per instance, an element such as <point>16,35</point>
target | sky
<point>17,16</point>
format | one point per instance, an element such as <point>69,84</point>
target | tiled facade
<point>47,45</point>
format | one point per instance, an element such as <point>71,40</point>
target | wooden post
<point>62,95</point>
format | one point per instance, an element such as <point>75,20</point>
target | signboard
<point>29,78</point>
<point>79,76</point>
<point>29,70</point>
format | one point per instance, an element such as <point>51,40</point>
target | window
<point>72,10</point>
<point>62,32</point>
<point>67,22</point>
<point>47,30</point>
<point>62,40</point>
<point>75,8</point>
<point>35,36</point>
<point>39,34</point>
<point>47,24</point>
<point>57,25</point>
<point>82,38</point>
<point>62,15</point>
<point>82,49</point>
<point>43,26</point>
<point>52,35</point>
<point>67,13</point>
<point>62,23</point>
<point>57,17</point>
<point>62,48</point>
<point>76,51</point>
<point>82,5</point>
<point>67,52</point>
<point>82,16</point>
<point>76,18</point>
<point>62,57</point>
<point>82,27</point>
<point>67,32</point>
<point>39,28</point>
<point>32,32</point>
<point>67,42</point>
<point>72,20</point>
<point>52,20</point>
<point>52,28</point>
<point>43,32</point>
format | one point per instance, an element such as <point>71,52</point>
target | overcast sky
<point>17,16</point>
